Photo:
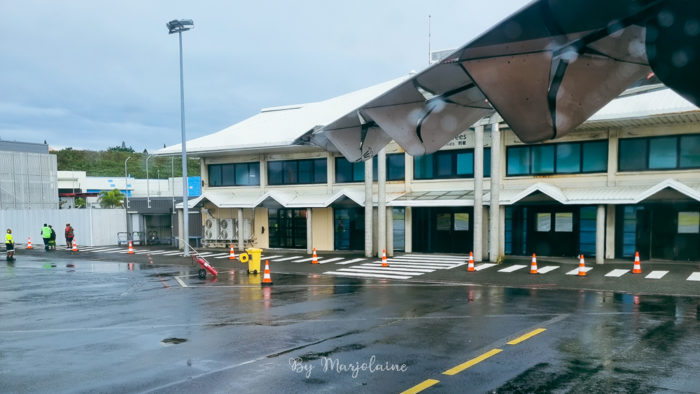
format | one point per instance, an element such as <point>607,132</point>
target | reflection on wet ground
<point>163,327</point>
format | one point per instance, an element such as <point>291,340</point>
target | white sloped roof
<point>280,126</point>
<point>660,101</point>
<point>600,195</point>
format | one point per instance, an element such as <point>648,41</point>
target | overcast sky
<point>90,74</point>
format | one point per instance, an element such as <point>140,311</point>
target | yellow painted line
<point>474,361</point>
<point>421,386</point>
<point>527,336</point>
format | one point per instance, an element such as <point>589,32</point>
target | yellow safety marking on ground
<point>421,386</point>
<point>472,362</point>
<point>527,336</point>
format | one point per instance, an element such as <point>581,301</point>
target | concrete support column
<point>600,235</point>
<point>368,208</point>
<point>309,232</point>
<point>241,231</point>
<point>389,231</point>
<point>610,232</point>
<point>381,201</point>
<point>478,192</point>
<point>502,231</point>
<point>180,226</point>
<point>494,211</point>
<point>408,230</point>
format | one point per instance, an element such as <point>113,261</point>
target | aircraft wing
<point>545,69</point>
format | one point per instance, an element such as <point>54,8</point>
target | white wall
<point>93,227</point>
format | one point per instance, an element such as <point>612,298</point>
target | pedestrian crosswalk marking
<point>306,259</point>
<point>575,271</point>
<point>512,268</point>
<point>380,270</point>
<point>428,260</point>
<point>443,265</point>
<point>269,257</point>
<point>351,261</point>
<point>483,266</point>
<point>288,258</point>
<point>616,273</point>
<point>367,275</point>
<point>331,260</point>
<point>394,267</point>
<point>656,275</point>
<point>695,276</point>
<point>546,269</point>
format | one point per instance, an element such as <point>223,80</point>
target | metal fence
<point>92,227</point>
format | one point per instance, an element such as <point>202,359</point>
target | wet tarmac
<point>88,325</point>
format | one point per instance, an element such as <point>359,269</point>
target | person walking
<point>69,236</point>
<point>46,235</point>
<point>52,239</point>
<point>10,246</point>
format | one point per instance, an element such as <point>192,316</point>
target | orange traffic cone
<point>75,246</point>
<point>581,266</point>
<point>232,254</point>
<point>470,266</point>
<point>637,265</point>
<point>315,258</point>
<point>384,262</point>
<point>267,280</point>
<point>29,242</point>
<point>533,265</point>
<point>131,248</point>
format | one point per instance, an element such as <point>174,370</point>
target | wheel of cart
<point>202,274</point>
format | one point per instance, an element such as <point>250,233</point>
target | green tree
<point>111,198</point>
<point>80,202</point>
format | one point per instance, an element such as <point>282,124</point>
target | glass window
<point>320,171</point>
<point>518,160</point>
<point>423,167</point>
<point>568,158</point>
<point>395,167</point>
<point>228,175</point>
<point>254,173</point>
<point>563,222</point>
<point>544,222</point>
<point>487,162</point>
<point>214,175</point>
<point>663,152</point>
<point>343,170</point>
<point>690,151</point>
<point>306,171</point>
<point>587,230</point>
<point>242,174</point>
<point>543,159</point>
<point>461,221</point>
<point>444,221</point>
<point>358,171</point>
<point>443,164</point>
<point>633,154</point>
<point>688,222</point>
<point>290,172</point>
<point>274,173</point>
<point>595,156</point>
<point>465,163</point>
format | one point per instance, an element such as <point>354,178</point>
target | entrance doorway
<point>349,228</point>
<point>443,230</point>
<point>287,228</point>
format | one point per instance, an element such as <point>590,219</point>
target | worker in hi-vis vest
<point>46,235</point>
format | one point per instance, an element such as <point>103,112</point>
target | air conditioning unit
<point>226,229</point>
<point>211,229</point>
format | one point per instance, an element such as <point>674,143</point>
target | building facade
<point>27,176</point>
<point>626,180</point>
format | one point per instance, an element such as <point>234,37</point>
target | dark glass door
<point>349,228</point>
<point>287,228</point>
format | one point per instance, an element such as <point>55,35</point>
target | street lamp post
<point>126,183</point>
<point>148,184</point>
<point>178,26</point>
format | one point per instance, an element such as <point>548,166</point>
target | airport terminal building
<point>626,180</point>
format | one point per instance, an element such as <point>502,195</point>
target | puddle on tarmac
<point>173,341</point>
